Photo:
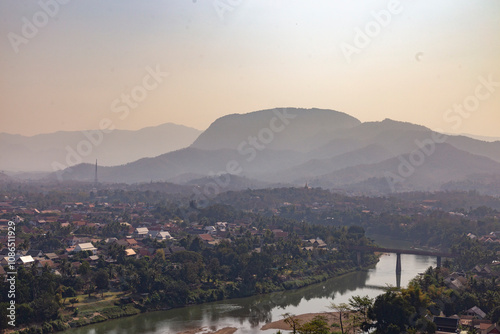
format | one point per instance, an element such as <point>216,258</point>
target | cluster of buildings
<point>474,319</point>
<point>82,226</point>
<point>492,237</point>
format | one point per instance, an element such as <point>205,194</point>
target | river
<point>250,314</point>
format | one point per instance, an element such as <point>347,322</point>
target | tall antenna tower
<point>95,174</point>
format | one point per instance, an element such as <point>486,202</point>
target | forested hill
<point>267,199</point>
<point>425,219</point>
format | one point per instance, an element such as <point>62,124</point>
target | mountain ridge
<point>324,147</point>
<point>39,152</point>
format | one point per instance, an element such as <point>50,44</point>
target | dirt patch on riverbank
<point>331,318</point>
<point>204,330</point>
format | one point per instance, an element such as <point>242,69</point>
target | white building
<point>161,235</point>
<point>86,247</point>
<point>141,232</point>
<point>25,260</point>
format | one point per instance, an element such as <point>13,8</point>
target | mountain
<point>446,164</point>
<point>291,129</point>
<point>38,153</point>
<point>324,148</point>
<point>482,138</point>
<point>486,149</point>
<point>185,164</point>
<point>315,167</point>
<point>227,140</point>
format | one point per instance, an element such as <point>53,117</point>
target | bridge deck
<point>401,251</point>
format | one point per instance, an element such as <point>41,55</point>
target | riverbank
<point>251,313</point>
<point>86,311</point>
<point>332,318</point>
<point>203,330</point>
<point>92,313</point>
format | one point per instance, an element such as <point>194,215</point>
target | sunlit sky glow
<point>261,54</point>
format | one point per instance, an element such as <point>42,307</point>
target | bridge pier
<point>398,263</point>
<point>438,264</point>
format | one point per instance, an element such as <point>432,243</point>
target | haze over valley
<point>294,147</point>
<point>112,147</point>
<point>249,167</point>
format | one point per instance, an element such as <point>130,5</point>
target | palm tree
<point>65,268</point>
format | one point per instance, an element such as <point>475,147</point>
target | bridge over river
<point>439,255</point>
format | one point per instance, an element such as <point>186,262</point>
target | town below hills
<point>86,253</point>
<point>291,147</point>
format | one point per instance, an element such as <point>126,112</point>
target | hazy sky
<point>71,66</point>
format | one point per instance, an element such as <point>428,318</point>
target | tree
<point>65,268</point>
<point>101,279</point>
<point>196,245</point>
<point>192,266</point>
<point>68,292</point>
<point>317,325</point>
<point>84,269</point>
<point>361,305</point>
<point>343,310</point>
<point>390,313</point>
<point>160,254</point>
<point>45,308</point>
<point>291,321</point>
<point>416,298</point>
<point>495,315</point>
<point>214,268</point>
<point>90,287</point>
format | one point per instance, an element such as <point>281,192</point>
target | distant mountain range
<point>39,153</point>
<point>325,148</point>
<point>483,138</point>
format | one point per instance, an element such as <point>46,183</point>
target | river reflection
<point>250,314</point>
